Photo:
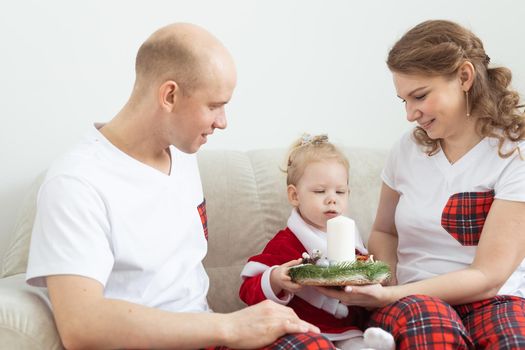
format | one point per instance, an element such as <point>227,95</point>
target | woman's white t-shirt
<point>442,206</point>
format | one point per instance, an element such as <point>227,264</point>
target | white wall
<point>303,65</point>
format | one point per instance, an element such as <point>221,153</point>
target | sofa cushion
<point>14,260</point>
<point>26,321</point>
<point>246,204</point>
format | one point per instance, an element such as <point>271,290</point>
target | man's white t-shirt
<point>442,206</point>
<point>104,215</point>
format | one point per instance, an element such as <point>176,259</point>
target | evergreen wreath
<point>359,272</point>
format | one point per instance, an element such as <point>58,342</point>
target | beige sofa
<point>246,205</point>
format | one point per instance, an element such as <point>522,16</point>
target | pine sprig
<point>362,272</point>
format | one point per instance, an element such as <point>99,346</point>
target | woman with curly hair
<point>451,215</point>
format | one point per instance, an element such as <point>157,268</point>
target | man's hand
<point>87,320</point>
<point>261,324</point>
<point>280,280</point>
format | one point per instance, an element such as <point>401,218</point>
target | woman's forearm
<point>384,247</point>
<point>458,287</point>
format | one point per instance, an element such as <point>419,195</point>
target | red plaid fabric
<point>299,341</point>
<point>204,218</point>
<point>495,323</point>
<point>420,322</point>
<point>464,215</point>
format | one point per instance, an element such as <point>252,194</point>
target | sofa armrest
<point>26,320</point>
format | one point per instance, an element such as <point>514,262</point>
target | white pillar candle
<point>341,239</point>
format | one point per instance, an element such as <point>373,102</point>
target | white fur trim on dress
<point>253,268</point>
<point>268,291</point>
<point>310,237</point>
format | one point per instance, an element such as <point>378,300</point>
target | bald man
<point>118,239</point>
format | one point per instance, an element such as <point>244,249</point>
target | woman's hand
<point>371,296</point>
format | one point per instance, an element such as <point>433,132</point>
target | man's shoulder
<point>75,162</point>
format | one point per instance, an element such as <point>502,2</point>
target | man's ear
<point>168,94</point>
<point>292,196</point>
<point>466,73</point>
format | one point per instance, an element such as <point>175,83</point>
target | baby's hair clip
<point>306,139</point>
<point>319,139</point>
<point>316,140</point>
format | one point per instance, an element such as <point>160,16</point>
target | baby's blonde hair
<point>309,149</point>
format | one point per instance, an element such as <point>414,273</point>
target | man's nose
<point>220,121</point>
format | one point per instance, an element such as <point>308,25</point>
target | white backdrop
<point>303,65</point>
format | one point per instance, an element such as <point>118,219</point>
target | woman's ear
<point>466,74</point>
<point>292,196</point>
<point>167,95</point>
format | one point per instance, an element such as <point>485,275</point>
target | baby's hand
<point>280,280</point>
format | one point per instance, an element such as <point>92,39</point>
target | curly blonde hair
<point>309,149</point>
<point>439,48</point>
